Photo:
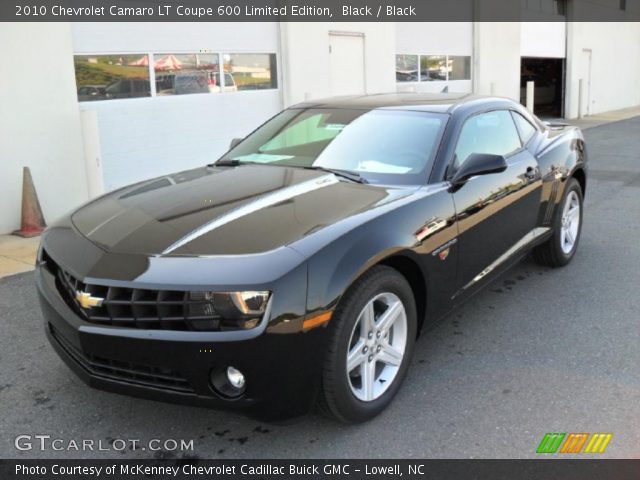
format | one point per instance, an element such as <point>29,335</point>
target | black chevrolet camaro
<point>299,268</point>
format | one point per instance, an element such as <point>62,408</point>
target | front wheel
<point>567,226</point>
<point>374,330</point>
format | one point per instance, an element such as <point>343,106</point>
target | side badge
<point>443,250</point>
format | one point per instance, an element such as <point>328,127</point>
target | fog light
<point>235,377</point>
<point>228,382</point>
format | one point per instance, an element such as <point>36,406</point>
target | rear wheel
<point>567,226</point>
<point>374,330</point>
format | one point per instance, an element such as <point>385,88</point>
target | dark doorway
<point>548,75</point>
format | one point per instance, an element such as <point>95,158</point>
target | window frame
<point>111,53</point>
<point>535,128</point>
<point>277,72</point>
<point>446,56</point>
<point>417,68</point>
<point>152,78</point>
<point>449,172</point>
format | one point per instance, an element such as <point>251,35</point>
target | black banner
<point>194,469</point>
<point>315,10</point>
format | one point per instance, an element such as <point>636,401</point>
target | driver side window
<point>491,132</point>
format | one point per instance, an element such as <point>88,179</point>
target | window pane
<point>459,68</point>
<point>250,71</point>
<point>526,129</point>
<point>433,67</point>
<point>406,68</point>
<point>102,77</point>
<point>182,73</point>
<point>491,132</point>
<point>382,145</point>
<point>308,128</point>
<point>384,142</point>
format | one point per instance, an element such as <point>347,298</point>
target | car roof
<point>427,102</point>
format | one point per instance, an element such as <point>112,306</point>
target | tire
<point>556,251</point>
<point>347,396</point>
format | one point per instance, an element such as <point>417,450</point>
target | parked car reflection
<point>128,88</point>
<point>88,93</point>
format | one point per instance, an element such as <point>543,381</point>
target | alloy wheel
<point>570,223</point>
<point>377,346</point>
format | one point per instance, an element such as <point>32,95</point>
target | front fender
<point>337,265</point>
<point>347,266</point>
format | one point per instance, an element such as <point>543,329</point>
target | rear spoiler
<point>555,125</point>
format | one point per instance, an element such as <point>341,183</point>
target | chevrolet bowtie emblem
<point>87,301</point>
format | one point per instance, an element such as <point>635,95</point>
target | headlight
<point>226,310</point>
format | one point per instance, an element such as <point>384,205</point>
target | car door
<point>496,213</point>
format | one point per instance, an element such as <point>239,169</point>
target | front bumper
<point>281,364</point>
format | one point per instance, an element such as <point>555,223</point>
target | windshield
<point>383,146</point>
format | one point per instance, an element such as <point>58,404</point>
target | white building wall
<point>435,38</point>
<point>305,57</point>
<point>144,137</point>
<point>543,39</point>
<point>39,121</point>
<point>497,59</point>
<point>174,37</point>
<point>607,57</point>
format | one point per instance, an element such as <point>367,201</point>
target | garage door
<point>161,104</point>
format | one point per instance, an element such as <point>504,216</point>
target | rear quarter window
<point>525,128</point>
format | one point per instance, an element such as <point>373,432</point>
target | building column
<point>40,124</point>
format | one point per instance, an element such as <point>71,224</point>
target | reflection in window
<point>103,77</point>
<point>524,127</point>
<point>250,71</point>
<point>459,68</point>
<point>491,132</point>
<point>383,145</point>
<point>432,68</point>
<point>178,74</point>
<point>406,68</point>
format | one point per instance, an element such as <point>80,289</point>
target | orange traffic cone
<point>32,219</point>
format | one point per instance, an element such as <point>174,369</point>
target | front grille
<point>134,373</point>
<point>139,308</point>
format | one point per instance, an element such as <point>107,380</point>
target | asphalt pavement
<point>538,351</point>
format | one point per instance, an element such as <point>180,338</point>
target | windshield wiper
<point>348,174</point>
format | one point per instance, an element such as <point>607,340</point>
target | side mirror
<point>235,142</point>
<point>479,164</point>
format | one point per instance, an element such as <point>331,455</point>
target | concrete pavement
<point>17,254</point>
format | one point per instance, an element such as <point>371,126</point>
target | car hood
<point>225,210</point>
